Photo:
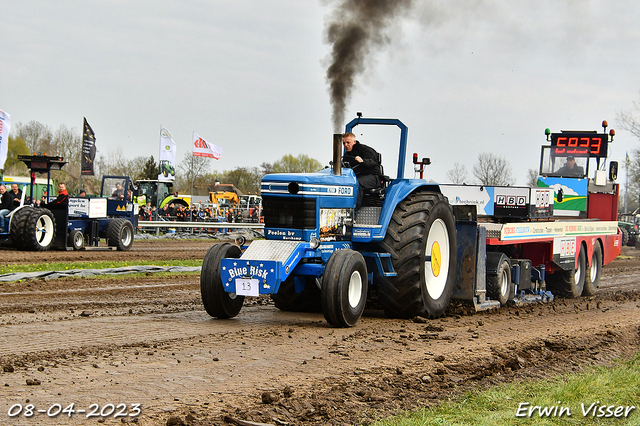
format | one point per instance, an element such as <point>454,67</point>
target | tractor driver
<point>61,202</point>
<point>364,162</point>
<point>119,192</point>
<point>570,168</point>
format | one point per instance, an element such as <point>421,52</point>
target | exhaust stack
<point>337,154</point>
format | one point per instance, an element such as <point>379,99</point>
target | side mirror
<point>613,170</point>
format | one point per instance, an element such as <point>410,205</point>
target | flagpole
<point>626,185</point>
<point>193,133</point>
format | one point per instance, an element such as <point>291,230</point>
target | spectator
<point>16,196</point>
<point>82,193</point>
<point>62,201</point>
<point>230,215</point>
<point>154,213</point>
<point>171,211</point>
<point>5,206</point>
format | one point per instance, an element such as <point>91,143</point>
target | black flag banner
<point>88,149</point>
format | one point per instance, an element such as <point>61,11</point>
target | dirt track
<point>148,341</point>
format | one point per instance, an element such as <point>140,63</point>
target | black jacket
<point>369,165</point>
<point>5,202</point>
<point>15,198</point>
<point>61,202</point>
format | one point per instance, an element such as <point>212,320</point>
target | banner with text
<point>88,149</point>
<point>202,148</point>
<point>5,126</point>
<point>167,157</point>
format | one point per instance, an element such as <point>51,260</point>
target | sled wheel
<point>76,239</point>
<point>18,225</point>
<point>499,282</point>
<point>344,288</point>
<point>120,234</point>
<point>421,239</point>
<point>594,272</point>
<point>39,230</point>
<point>217,302</point>
<point>570,284</point>
<point>308,300</point>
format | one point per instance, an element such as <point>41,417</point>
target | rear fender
<point>396,192</point>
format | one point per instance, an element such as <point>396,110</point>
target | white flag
<point>167,157</point>
<point>5,125</point>
<point>202,148</point>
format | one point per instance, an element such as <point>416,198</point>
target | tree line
<point>195,175</point>
<point>194,172</point>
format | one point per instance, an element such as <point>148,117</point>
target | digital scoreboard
<point>580,144</point>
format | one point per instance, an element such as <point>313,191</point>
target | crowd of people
<point>197,213</point>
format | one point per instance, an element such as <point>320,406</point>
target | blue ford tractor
<point>321,253</point>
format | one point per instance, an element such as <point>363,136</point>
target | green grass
<point>618,386</point>
<point>65,266</point>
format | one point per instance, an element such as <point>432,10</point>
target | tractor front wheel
<point>120,234</point>
<point>344,288</point>
<point>217,302</point>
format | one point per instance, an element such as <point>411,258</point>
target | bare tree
<point>532,179</point>
<point>192,167</point>
<point>492,170</point>
<point>37,136</point>
<point>630,120</point>
<point>458,174</point>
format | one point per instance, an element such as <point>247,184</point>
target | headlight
<point>314,243</point>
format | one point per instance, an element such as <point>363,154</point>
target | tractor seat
<point>374,196</point>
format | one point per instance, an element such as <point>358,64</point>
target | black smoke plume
<point>356,29</point>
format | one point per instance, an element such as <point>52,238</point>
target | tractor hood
<point>323,182</point>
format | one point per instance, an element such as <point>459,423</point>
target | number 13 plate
<point>247,287</point>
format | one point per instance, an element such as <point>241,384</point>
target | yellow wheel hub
<point>436,258</point>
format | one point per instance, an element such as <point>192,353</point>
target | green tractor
<point>159,194</point>
<point>629,224</point>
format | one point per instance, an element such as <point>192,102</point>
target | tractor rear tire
<point>625,236</point>
<point>217,302</point>
<point>76,239</point>
<point>120,234</point>
<point>421,239</point>
<point>18,224</point>
<point>499,285</point>
<point>570,284</point>
<point>344,288</point>
<point>39,230</point>
<point>308,300</point>
<point>594,272</point>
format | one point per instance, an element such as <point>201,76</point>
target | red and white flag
<point>5,125</point>
<point>202,148</point>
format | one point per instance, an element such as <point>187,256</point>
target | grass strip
<point>601,395</point>
<point>65,266</point>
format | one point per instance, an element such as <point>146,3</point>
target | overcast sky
<point>465,77</point>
